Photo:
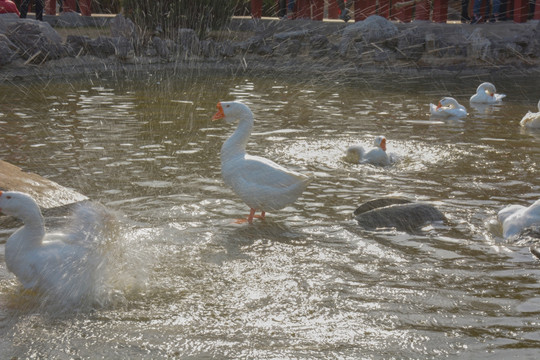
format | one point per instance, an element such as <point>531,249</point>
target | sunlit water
<point>307,282</point>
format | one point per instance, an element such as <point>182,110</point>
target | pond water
<point>307,282</point>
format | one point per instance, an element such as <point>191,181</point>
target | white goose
<point>515,218</point>
<point>531,120</point>
<point>375,156</point>
<point>486,94</point>
<point>56,264</point>
<point>262,184</point>
<point>448,107</point>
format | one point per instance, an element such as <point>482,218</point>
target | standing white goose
<point>515,218</point>
<point>262,184</point>
<point>486,94</point>
<point>531,120</point>
<point>375,156</point>
<point>56,264</point>
<point>448,107</point>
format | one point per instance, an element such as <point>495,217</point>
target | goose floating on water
<point>262,184</point>
<point>486,94</point>
<point>531,120</point>
<point>516,218</point>
<point>448,107</point>
<point>375,156</point>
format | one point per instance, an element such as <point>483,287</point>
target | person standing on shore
<point>8,6</point>
<point>38,5</point>
<point>345,9</point>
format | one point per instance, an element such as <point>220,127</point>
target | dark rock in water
<point>378,203</point>
<point>400,214</point>
<point>535,250</point>
<point>530,236</point>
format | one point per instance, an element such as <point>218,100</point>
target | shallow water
<point>307,282</point>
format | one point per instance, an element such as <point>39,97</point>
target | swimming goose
<point>262,184</point>
<point>486,94</point>
<point>375,156</point>
<point>448,107</point>
<point>531,120</point>
<point>515,218</point>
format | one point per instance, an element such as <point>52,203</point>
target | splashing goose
<point>55,264</point>
<point>262,184</point>
<point>531,120</point>
<point>448,107</point>
<point>515,218</point>
<point>486,94</point>
<point>375,156</point>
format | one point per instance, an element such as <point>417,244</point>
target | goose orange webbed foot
<point>250,217</point>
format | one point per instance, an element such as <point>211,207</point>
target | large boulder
<point>36,40</point>
<point>375,29</point>
<point>400,214</point>
<point>8,50</point>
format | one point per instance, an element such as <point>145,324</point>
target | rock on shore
<point>375,44</point>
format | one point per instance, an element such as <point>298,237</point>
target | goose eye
<point>227,105</point>
<point>8,197</point>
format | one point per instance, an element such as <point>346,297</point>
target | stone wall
<point>375,44</point>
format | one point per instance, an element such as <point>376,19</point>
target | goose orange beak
<point>220,114</point>
<point>439,105</point>
<point>383,144</point>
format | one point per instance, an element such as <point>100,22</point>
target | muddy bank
<point>32,50</point>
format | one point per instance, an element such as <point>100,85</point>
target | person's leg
<point>24,8</point>
<point>465,10</point>
<point>496,9</point>
<point>39,9</point>
<point>476,11</point>
<point>282,8</point>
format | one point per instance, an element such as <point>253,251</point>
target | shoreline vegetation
<point>77,47</point>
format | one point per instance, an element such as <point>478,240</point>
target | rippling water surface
<point>307,282</point>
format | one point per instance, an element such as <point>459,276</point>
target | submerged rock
<point>400,214</point>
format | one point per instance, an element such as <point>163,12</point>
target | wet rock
<point>122,27</point>
<point>35,40</point>
<point>411,45</point>
<point>8,50</point>
<point>404,216</point>
<point>530,237</point>
<point>479,46</point>
<point>379,203</point>
<point>6,20</point>
<point>47,193</point>
<point>227,50</point>
<point>123,48</point>
<point>375,29</point>
<point>209,48</point>
<point>77,45</point>
<point>161,47</point>
<point>188,40</point>
<point>102,46</point>
<point>292,35</point>
<point>70,19</point>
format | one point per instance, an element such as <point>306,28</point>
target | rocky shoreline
<point>32,50</point>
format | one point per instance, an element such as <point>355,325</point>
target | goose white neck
<point>33,231</point>
<point>236,143</point>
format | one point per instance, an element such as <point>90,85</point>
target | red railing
<point>401,10</point>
